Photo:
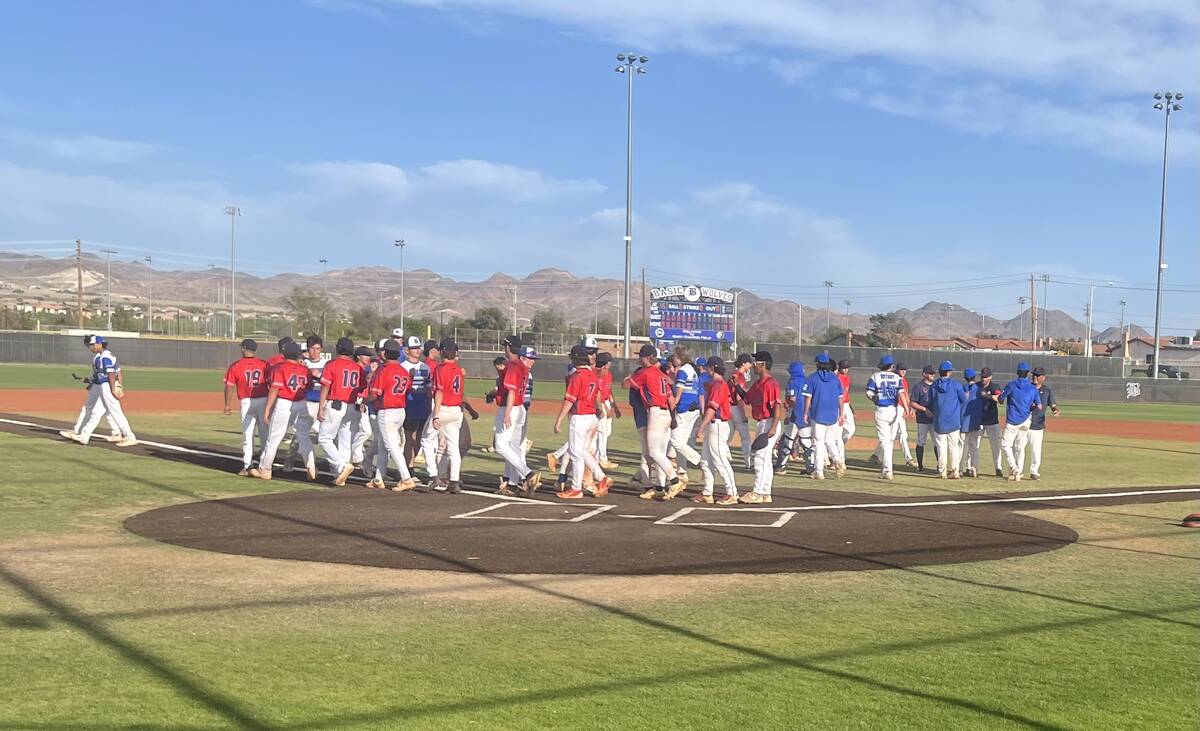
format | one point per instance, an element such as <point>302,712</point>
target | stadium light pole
<point>1021,320</point>
<point>1090,317</point>
<point>828,289</point>
<point>1167,102</point>
<point>150,305</point>
<point>1123,303</point>
<point>596,312</point>
<point>400,244</point>
<point>631,65</point>
<point>848,303</point>
<point>233,212</point>
<point>108,285</point>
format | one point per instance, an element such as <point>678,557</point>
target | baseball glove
<point>118,390</point>
<point>759,442</point>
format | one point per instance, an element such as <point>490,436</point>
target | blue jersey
<point>688,385</point>
<point>419,400</point>
<point>948,398</point>
<point>1019,396</point>
<point>922,393</point>
<point>972,415</point>
<point>884,388</point>
<point>795,391</point>
<point>315,367</point>
<point>703,380</point>
<point>529,390</point>
<point>824,390</point>
<point>104,365</point>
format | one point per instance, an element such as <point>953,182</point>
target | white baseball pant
<point>389,443</point>
<point>1013,444</point>
<point>714,456</point>
<point>847,424</point>
<point>902,437</point>
<point>282,417</point>
<point>886,426</point>
<point>93,401</point>
<point>685,424</point>
<point>764,459</point>
<point>508,443</point>
<point>993,434</point>
<point>451,419</point>
<point>430,443</point>
<point>602,435</point>
<point>658,438</point>
<point>112,407</point>
<point>949,451</point>
<point>1035,450</point>
<point>970,451</point>
<point>337,432</point>
<point>253,420</point>
<point>828,443</point>
<point>366,430</point>
<point>580,429</point>
<point>742,427</point>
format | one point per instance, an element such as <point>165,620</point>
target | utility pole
<point>150,307</point>
<point>644,297</point>
<point>233,212</point>
<point>1033,311</point>
<point>828,289</point>
<point>1020,319</point>
<point>631,65</point>
<point>1123,303</point>
<point>108,286</point>
<point>848,303</point>
<point>799,324</point>
<point>400,244</point>
<point>79,280</point>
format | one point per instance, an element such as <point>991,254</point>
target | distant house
<point>1141,350</point>
<point>846,339</point>
<point>938,344</point>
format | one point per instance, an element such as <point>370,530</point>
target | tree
<point>888,330</point>
<point>833,336</point>
<point>548,321</point>
<point>366,324</point>
<point>309,310</point>
<point>123,320</point>
<point>488,318</point>
<point>607,327</point>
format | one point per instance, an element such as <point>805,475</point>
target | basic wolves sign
<point>691,293</point>
<point>691,312</point>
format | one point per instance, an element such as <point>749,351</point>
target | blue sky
<point>777,144</point>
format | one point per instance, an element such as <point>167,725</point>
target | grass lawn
<point>104,629</point>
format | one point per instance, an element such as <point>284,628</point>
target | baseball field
<point>153,588</point>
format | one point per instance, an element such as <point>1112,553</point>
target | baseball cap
<point>843,364</point>
<point>985,372</point>
<point>715,363</point>
<point>449,348</point>
<point>762,356</point>
<point>412,342</point>
<point>284,341</point>
<point>95,340</point>
<point>290,350</point>
<point>397,332</point>
<point>742,359</point>
<point>1039,371</point>
<point>822,358</point>
<point>702,361</point>
<point>513,342</point>
<point>250,345</point>
<point>886,360</point>
<point>345,346</point>
<point>946,366</point>
<point>390,347</point>
<point>362,350</point>
<point>1023,366</point>
<point>603,359</point>
<point>430,346</point>
<point>928,369</point>
<point>969,373</point>
<point>381,343</point>
<point>528,351</point>
<point>648,351</point>
<point>590,343</point>
<point>578,352</point>
<point>901,367</point>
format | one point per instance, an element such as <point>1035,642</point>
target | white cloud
<point>519,184</point>
<point>82,148</point>
<point>351,176</point>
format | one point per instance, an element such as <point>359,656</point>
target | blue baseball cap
<point>886,360</point>
<point>96,340</point>
<point>822,357</point>
<point>702,361</point>
<point>946,366</point>
<point>1022,366</point>
<point>529,352</point>
<point>969,373</point>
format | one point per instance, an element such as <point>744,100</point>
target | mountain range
<point>48,282</point>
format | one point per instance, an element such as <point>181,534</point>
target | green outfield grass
<point>103,629</point>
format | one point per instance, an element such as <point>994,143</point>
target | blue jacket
<point>795,391</point>
<point>825,391</point>
<point>972,415</point>
<point>947,403</point>
<point>1020,396</point>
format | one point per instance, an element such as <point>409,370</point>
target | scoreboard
<point>690,312</point>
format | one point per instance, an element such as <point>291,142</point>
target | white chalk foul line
<point>980,501</point>
<point>784,516</point>
<point>480,513</point>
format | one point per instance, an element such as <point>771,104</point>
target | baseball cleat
<point>728,500</point>
<point>531,482</point>
<point>603,486</point>
<point>113,438</point>
<point>507,492</point>
<point>754,498</point>
<point>1034,476</point>
<point>572,494</point>
<point>526,446</point>
<point>841,468</point>
<point>552,462</point>
<point>954,475</point>
<point>312,472</point>
<point>375,484</point>
<point>260,474</point>
<point>68,434</point>
<point>404,485</point>
<point>245,472</point>
<point>910,463</point>
<point>454,487</point>
<point>817,475</point>
<point>886,475</point>
<point>999,472</point>
<point>674,489</point>
<point>649,493</point>
<point>1012,477</point>
<point>704,498</point>
<point>606,465</point>
<point>127,442</point>
<point>343,475</point>
<point>873,459</point>
<point>943,475</point>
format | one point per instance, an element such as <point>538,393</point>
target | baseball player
<point>822,394</point>
<point>314,359</point>
<point>338,410</point>
<point>843,374</point>
<point>286,401</point>
<point>388,394</point>
<point>430,437</point>
<point>582,401</point>
<point>642,478</point>
<point>608,410</point>
<point>1021,399</point>
<point>416,410</point>
<point>449,387</point>
<point>713,436</point>
<point>657,392</point>
<point>246,378</point>
<point>738,385</point>
<point>920,399</point>
<point>947,400</point>
<point>558,460</point>
<point>886,390</point>
<point>104,396</point>
<point>510,423</point>
<point>989,390</point>
<point>114,434</point>
<point>368,359</point>
<point>972,425</point>
<point>1037,422</point>
<point>278,358</point>
<point>766,408</point>
<point>797,434</point>
<point>687,411</point>
<point>499,363</point>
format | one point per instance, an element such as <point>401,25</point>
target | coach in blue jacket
<point>1020,398</point>
<point>949,399</point>
<point>822,394</point>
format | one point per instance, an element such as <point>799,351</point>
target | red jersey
<point>605,379</point>
<point>718,397</point>
<point>389,386</point>
<point>249,375</point>
<point>845,379</point>
<point>344,377</point>
<point>739,381</point>
<point>273,361</point>
<point>432,364</point>
<point>654,386</point>
<point>581,391</point>
<point>448,380</point>
<point>516,374</point>
<point>763,397</point>
<point>291,378</point>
